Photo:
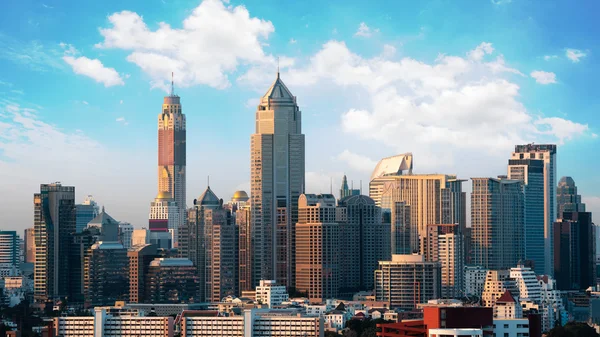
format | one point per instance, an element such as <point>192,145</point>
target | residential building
<point>547,153</point>
<point>251,323</point>
<point>444,244</point>
<point>317,247</point>
<point>531,173</point>
<point>346,191</point>
<point>243,223</point>
<point>497,282</point>
<point>172,280</point>
<point>552,302</point>
<point>366,239</point>
<point>10,253</point>
<point>407,280</point>
<point>400,228</point>
<point>29,245</point>
<point>511,327</point>
<point>277,180</point>
<point>54,225</point>
<point>171,165</point>
<point>574,251</point>
<point>527,283</point>
<point>507,307</point>
<point>270,293</point>
<point>474,280</point>
<point>125,234</point>
<point>106,274</point>
<point>113,322</point>
<point>165,216</point>
<point>497,222</point>
<point>567,199</point>
<point>140,257</point>
<point>86,212</point>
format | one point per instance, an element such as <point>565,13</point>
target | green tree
<point>332,334</point>
<point>573,329</point>
<point>369,332</point>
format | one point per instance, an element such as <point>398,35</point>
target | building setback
<point>277,180</point>
<point>54,224</point>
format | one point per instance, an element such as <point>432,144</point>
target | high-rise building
<point>346,191</point>
<point>317,247</point>
<point>400,228</point>
<point>433,198</point>
<point>29,245</point>
<point>54,223</point>
<point>277,180</point>
<point>531,173</point>
<point>547,153</point>
<point>365,242</point>
<point>527,283</point>
<point>574,251</point>
<point>165,216</point>
<point>497,223</point>
<point>243,223</point>
<point>10,256</point>
<point>140,257</point>
<point>407,280</point>
<point>125,234</point>
<point>106,274</point>
<point>474,280</point>
<point>107,226</point>
<point>79,253</point>
<point>220,268</point>
<point>86,212</point>
<point>567,199</point>
<point>444,244</point>
<point>172,158</point>
<point>172,280</point>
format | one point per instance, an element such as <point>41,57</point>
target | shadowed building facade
<point>567,199</point>
<point>574,251</point>
<point>277,180</point>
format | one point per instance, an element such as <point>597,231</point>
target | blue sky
<point>457,83</point>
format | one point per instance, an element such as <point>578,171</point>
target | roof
<point>278,92</point>
<point>506,298</point>
<point>164,195</point>
<point>393,165</point>
<point>356,200</point>
<point>171,262</point>
<point>240,196</point>
<point>566,181</point>
<point>107,245</point>
<point>208,198</point>
<point>103,219</point>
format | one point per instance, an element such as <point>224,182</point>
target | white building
<point>552,304</point>
<point>114,322</point>
<point>165,215</point>
<point>455,332</point>
<point>527,283</point>
<point>511,327</point>
<point>497,282</point>
<point>270,293</point>
<point>252,323</point>
<point>474,280</point>
<point>507,306</point>
<point>126,234</point>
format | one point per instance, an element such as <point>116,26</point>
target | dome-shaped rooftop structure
<point>240,196</point>
<point>566,181</point>
<point>164,195</point>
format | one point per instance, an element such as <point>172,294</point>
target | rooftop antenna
<point>330,185</point>
<point>208,181</point>
<point>277,66</point>
<point>361,187</point>
<point>172,85</point>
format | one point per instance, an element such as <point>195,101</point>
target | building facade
<point>29,245</point>
<point>54,225</point>
<point>243,223</point>
<point>165,216</point>
<point>317,247</point>
<point>546,153</point>
<point>444,244</point>
<point>86,212</point>
<point>277,180</point>
<point>10,253</point>
<point>567,199</point>
<point>172,155</point>
<point>270,293</point>
<point>139,257</point>
<point>407,280</point>
<point>497,223</point>
<point>531,173</point>
<point>106,274</point>
<point>474,280</point>
<point>172,280</point>
<point>125,234</point>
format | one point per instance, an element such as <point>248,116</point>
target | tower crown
<point>278,92</point>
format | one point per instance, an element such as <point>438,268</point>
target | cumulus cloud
<point>543,77</point>
<point>477,54</point>
<point>213,41</point>
<point>358,162</point>
<point>550,57</point>
<point>365,31</point>
<point>575,55</point>
<point>560,128</point>
<point>94,69</point>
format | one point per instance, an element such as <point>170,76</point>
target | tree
<point>332,334</point>
<point>573,329</point>
<point>369,332</point>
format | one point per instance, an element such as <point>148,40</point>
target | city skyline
<point>92,139</point>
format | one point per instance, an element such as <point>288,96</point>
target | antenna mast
<point>172,85</point>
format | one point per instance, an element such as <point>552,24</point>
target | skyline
<point>355,77</point>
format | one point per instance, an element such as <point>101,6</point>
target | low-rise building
<point>270,293</point>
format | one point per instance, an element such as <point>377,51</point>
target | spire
<point>172,85</point>
<point>277,66</point>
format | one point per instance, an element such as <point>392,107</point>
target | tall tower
<point>546,153</point>
<point>277,180</point>
<point>171,152</point>
<point>567,199</point>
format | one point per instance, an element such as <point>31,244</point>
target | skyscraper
<point>497,222</point>
<point>531,173</point>
<point>172,280</point>
<point>567,199</point>
<point>29,245</point>
<point>547,153</point>
<point>140,257</point>
<point>317,247</point>
<point>172,153</point>
<point>165,216</point>
<point>86,211</point>
<point>9,253</point>
<point>386,170</point>
<point>243,222</point>
<point>106,274</point>
<point>277,180</point>
<point>54,223</point>
<point>444,244</point>
<point>346,191</point>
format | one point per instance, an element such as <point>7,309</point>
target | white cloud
<point>592,204</point>
<point>214,40</point>
<point>477,54</point>
<point>95,70</point>
<point>575,55</point>
<point>357,162</point>
<point>550,57</point>
<point>560,128</point>
<point>543,77</point>
<point>322,182</point>
<point>85,102</point>
<point>500,2</point>
<point>365,31</point>
<point>293,41</point>
<point>120,119</point>
<point>121,102</point>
